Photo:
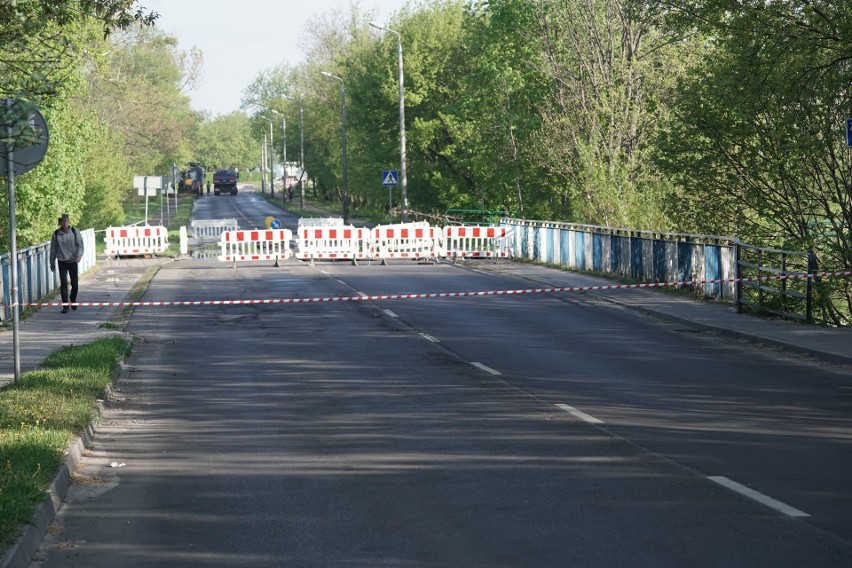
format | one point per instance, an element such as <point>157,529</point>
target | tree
<point>40,39</point>
<point>225,142</point>
<point>757,136</point>
<point>138,90</point>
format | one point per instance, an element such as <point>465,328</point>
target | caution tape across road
<point>362,298</point>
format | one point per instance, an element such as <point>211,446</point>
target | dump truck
<point>225,181</point>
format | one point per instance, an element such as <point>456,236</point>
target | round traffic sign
<point>24,132</point>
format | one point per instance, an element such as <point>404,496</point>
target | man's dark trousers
<point>67,270</point>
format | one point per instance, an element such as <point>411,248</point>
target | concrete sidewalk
<point>48,329</point>
<point>832,345</point>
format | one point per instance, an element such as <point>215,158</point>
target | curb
<point>21,553</point>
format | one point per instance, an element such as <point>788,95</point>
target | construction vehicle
<point>192,179</point>
<point>225,181</point>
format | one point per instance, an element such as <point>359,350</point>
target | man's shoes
<point>65,309</point>
<point>73,307</point>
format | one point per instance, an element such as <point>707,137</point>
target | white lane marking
<point>362,294</point>
<point>486,369</point>
<point>757,496</point>
<point>390,313</point>
<point>430,338</point>
<point>579,414</point>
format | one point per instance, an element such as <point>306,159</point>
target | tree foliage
<point>757,132</point>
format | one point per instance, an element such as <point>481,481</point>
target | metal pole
<point>174,183</point>
<point>403,175</point>
<point>271,161</point>
<point>302,153</point>
<point>263,165</point>
<point>342,142</point>
<point>13,255</point>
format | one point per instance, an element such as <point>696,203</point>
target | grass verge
<point>39,417</point>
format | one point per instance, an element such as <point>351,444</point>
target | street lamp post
<point>271,155</point>
<point>342,142</point>
<point>283,144</point>
<point>301,150</point>
<point>403,178</point>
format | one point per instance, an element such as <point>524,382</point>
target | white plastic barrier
<point>257,244</point>
<point>475,241</point>
<point>343,242</point>
<point>134,241</point>
<point>406,240</point>
<point>212,229</point>
<point>320,222</point>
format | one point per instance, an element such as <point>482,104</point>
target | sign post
<point>147,185</point>
<point>389,180</point>
<point>23,143</point>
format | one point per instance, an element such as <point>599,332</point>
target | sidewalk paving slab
<point>48,330</point>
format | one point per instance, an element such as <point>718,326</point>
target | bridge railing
<point>35,280</point>
<point>775,281</point>
<point>642,256</point>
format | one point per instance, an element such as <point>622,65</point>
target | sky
<point>242,38</point>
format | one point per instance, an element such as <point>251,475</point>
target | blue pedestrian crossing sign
<point>389,177</point>
<point>849,132</point>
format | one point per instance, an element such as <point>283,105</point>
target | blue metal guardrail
<point>651,256</point>
<point>643,256</point>
<point>35,280</point>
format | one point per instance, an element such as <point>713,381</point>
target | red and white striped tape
<point>442,294</point>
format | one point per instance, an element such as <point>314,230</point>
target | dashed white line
<point>362,294</point>
<point>487,369</point>
<point>579,414</point>
<point>390,313</point>
<point>758,496</point>
<point>430,338</point>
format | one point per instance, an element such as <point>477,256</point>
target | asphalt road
<point>535,430</point>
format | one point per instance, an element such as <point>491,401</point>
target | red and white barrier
<point>407,240</point>
<point>340,242</point>
<point>134,241</point>
<point>268,244</point>
<point>475,242</point>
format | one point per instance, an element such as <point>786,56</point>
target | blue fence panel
<point>660,269</point>
<point>549,253</point>
<point>525,249</point>
<point>615,254</point>
<point>684,262</point>
<point>580,247</point>
<point>597,252</point>
<point>713,270</point>
<point>636,264</point>
<point>564,248</point>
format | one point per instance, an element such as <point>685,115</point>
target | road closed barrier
<point>476,241</point>
<point>406,240</point>
<point>259,244</point>
<point>136,240</point>
<point>212,229</point>
<point>333,242</point>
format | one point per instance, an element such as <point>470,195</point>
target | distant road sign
<point>147,185</point>
<point>849,132</point>
<point>390,177</point>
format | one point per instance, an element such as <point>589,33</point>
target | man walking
<point>66,247</point>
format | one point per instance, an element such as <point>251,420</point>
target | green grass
<point>40,415</point>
